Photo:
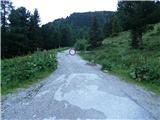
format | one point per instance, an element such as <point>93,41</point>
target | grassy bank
<point>141,67</point>
<point>22,71</point>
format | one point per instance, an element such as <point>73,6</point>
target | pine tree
<point>116,27</point>
<point>18,31</point>
<point>95,34</point>
<point>6,7</point>
<point>107,30</point>
<point>136,15</point>
<point>34,31</point>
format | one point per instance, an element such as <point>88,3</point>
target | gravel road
<point>77,90</point>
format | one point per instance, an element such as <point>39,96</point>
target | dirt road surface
<point>77,90</point>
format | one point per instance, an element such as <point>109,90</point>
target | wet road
<point>77,90</point>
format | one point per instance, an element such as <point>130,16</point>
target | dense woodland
<point>22,33</point>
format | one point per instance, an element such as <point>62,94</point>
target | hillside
<point>84,19</point>
<point>80,23</point>
<point>139,66</point>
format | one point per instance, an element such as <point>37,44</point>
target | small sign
<point>72,51</point>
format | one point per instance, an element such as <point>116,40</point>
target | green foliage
<point>57,35</point>
<point>19,19</point>
<point>145,70</point>
<point>107,30</point>
<point>139,66</point>
<point>19,70</point>
<point>81,44</point>
<point>116,27</point>
<point>142,13</point>
<point>95,36</point>
<point>66,36</point>
<point>106,65</point>
<point>64,32</point>
<point>83,20</point>
<point>6,7</point>
<point>34,33</point>
<point>152,38</point>
<point>22,33</point>
<point>113,26</point>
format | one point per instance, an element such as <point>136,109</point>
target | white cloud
<point>53,9</point>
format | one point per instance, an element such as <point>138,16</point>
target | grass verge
<point>141,67</point>
<point>20,72</point>
<point>124,75</point>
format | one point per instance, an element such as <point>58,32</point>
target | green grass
<point>20,72</point>
<point>141,67</point>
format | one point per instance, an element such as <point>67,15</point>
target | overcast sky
<point>50,10</point>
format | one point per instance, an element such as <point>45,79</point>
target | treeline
<point>22,33</point>
<point>77,26</point>
<point>20,30</point>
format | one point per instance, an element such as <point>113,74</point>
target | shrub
<point>81,44</point>
<point>158,29</point>
<point>21,69</point>
<point>145,71</point>
<point>100,56</point>
<point>106,65</point>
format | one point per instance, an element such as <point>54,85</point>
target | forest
<point>22,33</point>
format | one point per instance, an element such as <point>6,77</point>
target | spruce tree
<point>136,15</point>
<point>34,31</point>
<point>95,34</point>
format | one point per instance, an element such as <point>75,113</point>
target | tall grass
<point>140,66</point>
<point>21,71</point>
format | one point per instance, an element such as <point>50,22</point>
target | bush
<point>20,69</point>
<point>81,44</point>
<point>106,66</point>
<point>145,71</point>
<point>158,29</point>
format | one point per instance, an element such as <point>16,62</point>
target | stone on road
<point>77,90</point>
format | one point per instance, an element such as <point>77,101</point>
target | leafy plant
<point>145,71</point>
<point>19,70</point>
<point>81,44</point>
